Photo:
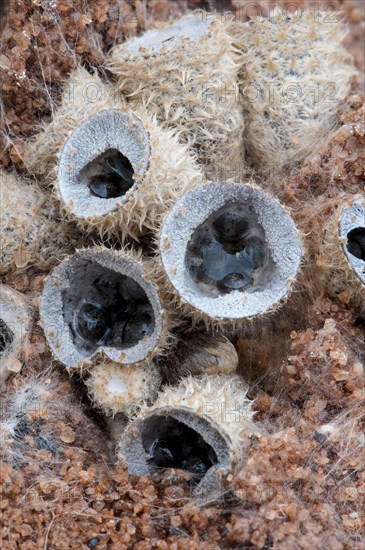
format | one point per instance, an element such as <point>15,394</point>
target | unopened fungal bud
<point>15,322</point>
<point>230,252</point>
<point>201,426</point>
<point>187,76</point>
<point>295,73</point>
<point>122,388</point>
<point>340,253</point>
<point>100,304</point>
<point>198,353</point>
<point>32,232</point>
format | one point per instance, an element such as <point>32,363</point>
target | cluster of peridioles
<point>149,322</point>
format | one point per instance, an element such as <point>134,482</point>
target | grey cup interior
<point>356,242</point>
<point>169,443</point>
<point>6,336</point>
<point>109,175</point>
<point>228,252</point>
<point>105,308</point>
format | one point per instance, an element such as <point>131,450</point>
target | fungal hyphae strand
<point>112,310</point>
<point>169,443</point>
<point>6,336</point>
<point>227,251</point>
<point>356,242</point>
<point>108,176</point>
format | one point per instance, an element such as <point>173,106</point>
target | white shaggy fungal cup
<point>101,302</point>
<point>102,162</point>
<point>118,172</point>
<point>187,77</point>
<point>15,323</point>
<point>352,236</point>
<point>33,233</point>
<point>295,73</point>
<point>200,425</point>
<point>122,388</point>
<point>230,251</point>
<point>196,353</point>
<point>337,245</point>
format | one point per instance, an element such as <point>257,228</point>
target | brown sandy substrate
<point>303,483</point>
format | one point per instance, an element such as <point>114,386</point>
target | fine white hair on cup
<point>202,425</point>
<point>116,388</point>
<point>338,247</point>
<point>102,161</point>
<point>295,72</point>
<point>352,235</point>
<point>230,252</point>
<point>102,303</point>
<point>188,77</point>
<point>33,232</point>
<point>15,321</point>
<point>119,172</point>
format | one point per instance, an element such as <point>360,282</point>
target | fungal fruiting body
<point>201,426</point>
<point>120,171</point>
<point>118,388</point>
<point>230,252</point>
<point>32,231</point>
<point>187,76</point>
<point>15,323</point>
<point>340,254</point>
<point>103,304</point>
<point>295,73</point>
<point>112,167</point>
<point>198,352</point>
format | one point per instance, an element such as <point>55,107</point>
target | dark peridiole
<point>228,251</point>
<point>108,176</point>
<point>356,242</point>
<point>169,443</point>
<point>111,310</point>
<point>102,303</point>
<point>6,336</point>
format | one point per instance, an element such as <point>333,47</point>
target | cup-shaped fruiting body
<point>115,388</point>
<point>112,168</point>
<point>32,231</point>
<point>120,171</point>
<point>15,322</point>
<point>295,73</point>
<point>198,352</point>
<point>230,252</point>
<point>200,425</point>
<point>101,303</point>
<point>340,253</point>
<point>186,74</point>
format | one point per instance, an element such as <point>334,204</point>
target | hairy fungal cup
<point>230,253</point>
<point>201,426</point>
<point>196,353</point>
<point>118,388</point>
<point>187,76</point>
<point>340,254</point>
<point>100,304</point>
<point>15,322</point>
<point>33,233</point>
<point>113,168</point>
<point>295,73</point>
<point>119,171</point>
